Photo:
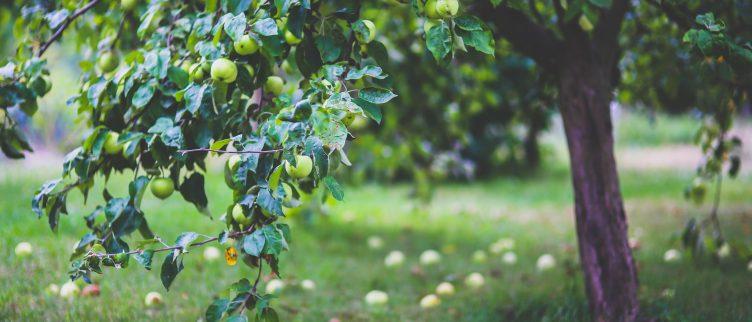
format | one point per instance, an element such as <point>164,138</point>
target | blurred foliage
<point>476,118</point>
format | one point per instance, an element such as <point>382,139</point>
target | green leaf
<point>480,40</point>
<point>369,70</point>
<point>372,110</point>
<point>216,309</point>
<point>268,203</point>
<point>469,23</point>
<point>171,266</point>
<point>275,241</point>
<point>185,239</point>
<point>439,41</point>
<point>376,95</point>
<point>144,94</point>
<point>144,258</point>
<point>266,27</point>
<point>136,190</point>
<point>334,188</point>
<point>235,26</point>
<point>178,76</point>
<point>194,95</point>
<point>253,244</point>
<point>192,189</point>
<point>237,318</point>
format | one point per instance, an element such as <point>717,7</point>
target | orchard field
<point>380,160</point>
<point>332,249</point>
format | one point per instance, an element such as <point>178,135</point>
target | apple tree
<point>168,84</point>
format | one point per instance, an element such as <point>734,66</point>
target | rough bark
<point>609,269</point>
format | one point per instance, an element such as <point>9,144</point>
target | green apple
<point>162,188</point>
<point>69,290</point>
<point>287,67</point>
<point>238,216</point>
<point>245,45</point>
<point>430,301</point>
<point>585,23</point>
<point>111,145</point>
<point>430,9</point>
<point>302,169</point>
<point>197,73</point>
<point>230,167</point>
<point>224,70</point>
<point>108,61</point>
<point>291,39</point>
<point>47,83</point>
<point>186,66</point>
<point>153,299</point>
<point>447,8</point>
<point>371,32</point>
<point>274,85</point>
<point>128,5</point>
<point>23,249</point>
<point>377,298</point>
<point>121,259</point>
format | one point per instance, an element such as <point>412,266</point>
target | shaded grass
<point>332,251</point>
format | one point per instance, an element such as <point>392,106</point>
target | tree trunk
<point>610,274</point>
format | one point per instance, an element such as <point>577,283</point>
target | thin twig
<point>65,25</point>
<point>168,248</point>
<point>118,34</point>
<point>225,151</point>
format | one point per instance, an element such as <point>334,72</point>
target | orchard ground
<point>332,250</point>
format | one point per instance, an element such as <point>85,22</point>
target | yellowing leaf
<point>231,256</point>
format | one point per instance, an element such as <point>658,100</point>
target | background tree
<point>578,44</point>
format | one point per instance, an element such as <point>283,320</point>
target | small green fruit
<point>302,169</point>
<point>111,145</point>
<point>371,32</point>
<point>274,85</point>
<point>224,70</point>
<point>245,45</point>
<point>239,216</point>
<point>108,62</point>
<point>121,259</point>
<point>447,8</point>
<point>186,66</point>
<point>430,9</point>
<point>162,188</point>
<point>585,23</point>
<point>128,5</point>
<point>291,39</point>
<point>287,67</point>
<point>197,73</point>
<point>23,249</point>
<point>230,167</point>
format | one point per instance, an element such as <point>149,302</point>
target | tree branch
<point>606,33</point>
<point>236,234</point>
<point>65,25</point>
<point>530,38</point>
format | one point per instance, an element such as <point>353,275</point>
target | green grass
<point>642,129</point>
<point>332,251</point>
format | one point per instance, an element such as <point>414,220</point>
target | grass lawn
<point>332,250</point>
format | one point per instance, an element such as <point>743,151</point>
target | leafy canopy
<point>165,84</point>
